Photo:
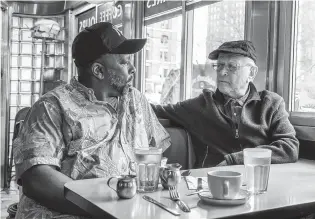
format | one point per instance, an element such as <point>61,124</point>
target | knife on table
<point>149,199</point>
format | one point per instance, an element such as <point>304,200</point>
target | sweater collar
<point>253,94</point>
<point>240,100</point>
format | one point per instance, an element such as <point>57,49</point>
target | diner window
<point>158,87</point>
<point>303,89</point>
<point>218,27</point>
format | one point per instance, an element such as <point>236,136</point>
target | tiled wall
<point>26,65</point>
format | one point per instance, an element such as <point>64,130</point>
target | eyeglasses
<point>231,67</point>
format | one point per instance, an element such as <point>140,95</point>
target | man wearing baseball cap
<point>235,116</point>
<point>85,129</point>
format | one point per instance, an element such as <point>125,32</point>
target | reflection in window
<point>303,95</point>
<point>222,21</point>
<point>165,50</point>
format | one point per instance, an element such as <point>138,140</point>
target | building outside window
<point>220,21</point>
<point>164,44</point>
<point>303,89</point>
<point>219,27</point>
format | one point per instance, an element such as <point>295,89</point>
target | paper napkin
<point>192,183</point>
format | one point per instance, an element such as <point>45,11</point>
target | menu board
<point>86,19</point>
<point>108,13</point>
<point>154,7</point>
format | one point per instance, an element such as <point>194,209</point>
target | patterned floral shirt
<point>83,137</point>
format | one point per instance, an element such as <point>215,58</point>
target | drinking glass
<point>257,166</point>
<point>148,161</point>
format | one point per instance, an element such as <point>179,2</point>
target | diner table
<point>291,193</point>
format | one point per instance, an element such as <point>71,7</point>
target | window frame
<point>179,11</point>
<point>186,11</point>
<point>286,59</point>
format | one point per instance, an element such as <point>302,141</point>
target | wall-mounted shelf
<point>46,60</point>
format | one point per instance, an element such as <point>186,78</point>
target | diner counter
<point>291,193</point>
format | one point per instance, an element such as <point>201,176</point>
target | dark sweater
<point>264,123</point>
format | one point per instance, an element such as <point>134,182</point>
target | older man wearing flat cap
<point>235,116</point>
<point>87,128</point>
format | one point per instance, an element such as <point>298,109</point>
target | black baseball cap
<point>102,38</point>
<point>241,47</point>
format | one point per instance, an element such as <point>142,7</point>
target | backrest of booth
<point>307,149</point>
<point>178,152</point>
<point>181,150</point>
<point>306,136</point>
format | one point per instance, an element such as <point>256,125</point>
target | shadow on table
<point>211,209</point>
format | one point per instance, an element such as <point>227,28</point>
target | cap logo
<point>117,30</point>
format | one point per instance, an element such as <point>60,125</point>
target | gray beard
<point>116,82</point>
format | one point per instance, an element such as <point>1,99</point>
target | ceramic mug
<point>224,184</point>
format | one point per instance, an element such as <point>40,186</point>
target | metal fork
<point>176,198</point>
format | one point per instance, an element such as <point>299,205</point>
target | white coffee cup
<point>224,184</point>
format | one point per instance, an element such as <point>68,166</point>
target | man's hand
<point>223,163</point>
